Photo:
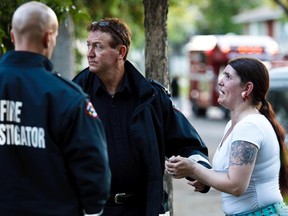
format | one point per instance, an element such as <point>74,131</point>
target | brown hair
<point>119,31</point>
<point>253,70</point>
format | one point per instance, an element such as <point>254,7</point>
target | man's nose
<point>90,52</point>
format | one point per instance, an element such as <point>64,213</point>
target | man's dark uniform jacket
<point>156,130</point>
<point>53,157</point>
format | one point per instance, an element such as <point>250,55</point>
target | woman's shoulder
<point>254,119</point>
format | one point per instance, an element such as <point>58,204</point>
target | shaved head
<point>30,24</point>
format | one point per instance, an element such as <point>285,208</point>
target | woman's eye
<point>227,75</point>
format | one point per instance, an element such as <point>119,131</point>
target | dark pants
<point>123,210</point>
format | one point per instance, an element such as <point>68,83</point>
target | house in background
<point>266,21</point>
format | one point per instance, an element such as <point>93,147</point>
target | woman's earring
<point>245,96</point>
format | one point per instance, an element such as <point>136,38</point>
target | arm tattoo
<point>242,153</point>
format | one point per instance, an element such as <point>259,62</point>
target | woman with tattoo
<point>250,165</point>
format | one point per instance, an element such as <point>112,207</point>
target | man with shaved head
<point>53,156</point>
<point>34,28</point>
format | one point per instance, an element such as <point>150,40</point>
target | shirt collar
<point>125,86</point>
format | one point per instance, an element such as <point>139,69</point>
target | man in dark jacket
<point>142,127</point>
<point>53,157</point>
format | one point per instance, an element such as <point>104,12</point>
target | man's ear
<point>122,52</point>
<point>12,36</point>
<point>46,39</point>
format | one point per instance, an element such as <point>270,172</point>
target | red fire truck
<point>209,54</point>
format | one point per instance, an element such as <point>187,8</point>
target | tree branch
<point>282,5</point>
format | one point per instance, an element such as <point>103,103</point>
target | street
<point>186,202</point>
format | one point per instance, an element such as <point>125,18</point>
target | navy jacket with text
<point>53,153</point>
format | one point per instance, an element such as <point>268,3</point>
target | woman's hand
<point>179,167</point>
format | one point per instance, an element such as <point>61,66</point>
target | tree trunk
<point>63,57</point>
<point>156,58</point>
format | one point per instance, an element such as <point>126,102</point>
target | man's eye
<point>95,46</point>
<point>98,46</point>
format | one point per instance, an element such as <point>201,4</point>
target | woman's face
<point>230,89</point>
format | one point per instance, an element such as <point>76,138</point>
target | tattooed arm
<point>241,164</point>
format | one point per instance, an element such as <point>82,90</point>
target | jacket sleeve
<point>85,152</point>
<point>181,137</point>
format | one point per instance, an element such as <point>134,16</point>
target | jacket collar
<point>144,88</point>
<point>26,59</point>
<point>139,84</point>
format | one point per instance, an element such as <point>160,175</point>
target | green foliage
<point>130,11</point>
<point>62,8</point>
<point>82,12</point>
<point>216,16</point>
<point>6,10</point>
<point>180,23</point>
<point>189,17</point>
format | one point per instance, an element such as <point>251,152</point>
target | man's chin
<point>92,69</point>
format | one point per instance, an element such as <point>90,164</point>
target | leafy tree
<point>216,15</point>
<point>62,8</point>
<point>189,17</point>
<point>180,23</point>
<point>131,11</point>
